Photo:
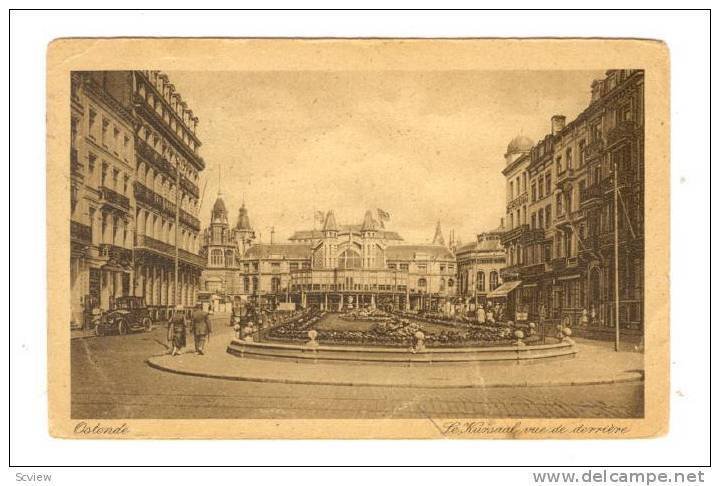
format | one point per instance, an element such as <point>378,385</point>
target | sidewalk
<point>592,365</point>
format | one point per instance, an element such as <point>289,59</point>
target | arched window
<point>481,281</point>
<point>451,282</point>
<point>349,259</point>
<point>216,257</point>
<point>493,280</point>
<point>422,282</point>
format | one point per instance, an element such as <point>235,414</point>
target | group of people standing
<point>179,325</point>
<point>494,313</point>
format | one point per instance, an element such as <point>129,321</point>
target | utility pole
<point>617,256</point>
<point>177,224</point>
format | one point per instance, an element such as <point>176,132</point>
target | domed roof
<point>219,212</point>
<point>243,222</point>
<point>519,144</point>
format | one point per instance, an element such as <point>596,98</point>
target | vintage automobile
<point>128,314</point>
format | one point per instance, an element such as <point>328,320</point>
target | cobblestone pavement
<point>110,379</point>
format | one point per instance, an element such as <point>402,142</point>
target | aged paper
<point>325,238</point>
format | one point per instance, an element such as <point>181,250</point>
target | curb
<point>630,379</point>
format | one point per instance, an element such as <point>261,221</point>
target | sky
<point>424,146</point>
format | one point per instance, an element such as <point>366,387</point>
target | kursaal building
<point>337,267</point>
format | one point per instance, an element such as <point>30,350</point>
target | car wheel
<point>147,324</point>
<point>122,327</point>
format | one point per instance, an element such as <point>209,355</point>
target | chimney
<point>557,123</point>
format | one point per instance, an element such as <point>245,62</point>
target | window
<point>126,182</point>
<point>511,221</point>
<point>275,266</point>
<point>558,205</point>
<point>104,173</point>
<point>91,162</point>
<point>451,282</point>
<point>442,268</point>
<point>558,165</point>
<point>548,184</point>
<point>581,154</point>
<point>246,267</point>
<point>349,259</point>
<point>480,281</point>
<point>293,266</point>
<point>422,267</point>
<point>404,267</point>
<point>532,221</point>
<point>493,280</point>
<point>512,190</point>
<point>422,282</point>
<point>534,192</point>
<point>246,285</point>
<point>568,158</point>
<point>548,215</point>
<point>91,122</point>
<point>541,184</point>
<point>105,126</point>
<point>116,174</point>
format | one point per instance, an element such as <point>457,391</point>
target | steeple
<point>438,239</point>
<point>219,212</point>
<point>369,224</point>
<point>330,224</point>
<point>243,222</point>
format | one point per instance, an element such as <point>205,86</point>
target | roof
<point>243,222</point>
<point>483,245</point>
<point>520,144</point>
<point>369,224</point>
<point>343,229</point>
<point>438,239</point>
<point>284,250</point>
<point>408,252</point>
<point>330,224</point>
<point>219,206</point>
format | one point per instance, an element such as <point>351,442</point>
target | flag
<point>320,216</point>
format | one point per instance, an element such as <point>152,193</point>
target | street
<point>111,380</point>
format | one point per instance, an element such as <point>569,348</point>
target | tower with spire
<point>220,247</point>
<point>438,239</point>
<point>244,232</point>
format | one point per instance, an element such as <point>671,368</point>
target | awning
<point>504,289</point>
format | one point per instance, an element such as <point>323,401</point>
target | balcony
<point>114,199</point>
<point>80,233</point>
<point>167,250</point>
<point>558,264</point>
<point>189,220</point>
<point>624,131</point>
<point>116,253</point>
<point>510,273</point>
<point>514,233</point>
<point>565,176</point>
<point>591,195</point>
<point>533,270</point>
<point>518,201</point>
<point>594,149</point>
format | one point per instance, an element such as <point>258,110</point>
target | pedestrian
<point>481,315</point>
<point>202,328</point>
<point>490,315</point>
<point>176,331</point>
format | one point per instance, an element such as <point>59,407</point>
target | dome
<point>519,144</point>
<point>243,219</point>
<point>219,206</point>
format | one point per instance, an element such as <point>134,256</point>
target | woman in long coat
<point>177,331</point>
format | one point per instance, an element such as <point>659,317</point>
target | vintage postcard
<point>371,238</point>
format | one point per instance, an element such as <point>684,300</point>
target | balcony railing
<point>168,250</point>
<point>117,253</point>
<point>514,233</point>
<point>115,198</point>
<point>594,148</point>
<point>189,220</point>
<point>625,130</point>
<point>161,164</point>
<point>590,193</point>
<point>532,270</point>
<point>80,233</point>
<point>518,201</point>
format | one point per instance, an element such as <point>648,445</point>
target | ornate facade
<point>479,265</point>
<point>338,266</point>
<point>562,254</point>
<point>134,169</point>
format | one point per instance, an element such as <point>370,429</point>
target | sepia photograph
<point>465,247</point>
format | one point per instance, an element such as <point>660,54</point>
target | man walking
<point>202,328</point>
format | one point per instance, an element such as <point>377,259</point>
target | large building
<point>561,228</point>
<point>479,265</point>
<point>335,267</point>
<point>134,169</point>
